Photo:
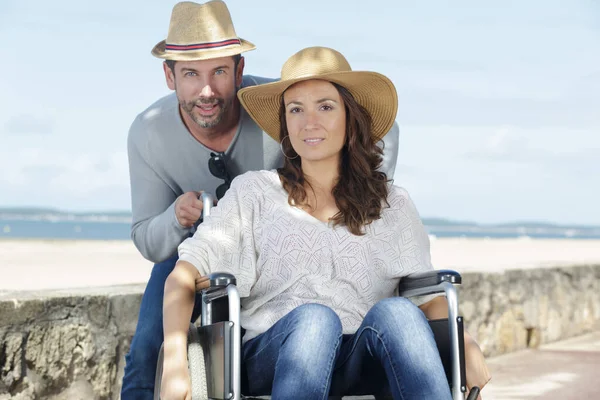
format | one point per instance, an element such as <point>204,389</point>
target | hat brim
<point>372,90</point>
<point>160,52</point>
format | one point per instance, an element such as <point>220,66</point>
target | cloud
<point>62,179</point>
<point>405,170</point>
<point>508,145</point>
<point>505,146</point>
<point>41,173</point>
<point>431,106</point>
<point>499,174</point>
<point>581,163</point>
<point>28,124</point>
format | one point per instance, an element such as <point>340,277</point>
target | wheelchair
<point>214,342</point>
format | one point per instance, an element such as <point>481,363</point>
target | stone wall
<point>66,345</point>
<point>518,309</point>
<point>71,344</point>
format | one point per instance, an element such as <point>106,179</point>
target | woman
<point>318,248</point>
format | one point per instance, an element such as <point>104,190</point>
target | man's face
<point>206,89</point>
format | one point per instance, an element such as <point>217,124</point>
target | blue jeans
<point>141,361</point>
<point>306,356</point>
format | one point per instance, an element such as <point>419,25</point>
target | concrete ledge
<point>67,344</point>
<point>70,344</point>
<point>518,309</point>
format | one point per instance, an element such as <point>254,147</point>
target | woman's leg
<point>395,335</point>
<point>294,359</point>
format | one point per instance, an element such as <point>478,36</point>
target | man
<point>196,139</point>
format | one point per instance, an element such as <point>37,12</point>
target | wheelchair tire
<point>196,365</point>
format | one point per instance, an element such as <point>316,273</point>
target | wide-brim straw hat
<point>372,90</point>
<point>201,32</point>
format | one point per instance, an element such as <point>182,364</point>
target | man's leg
<point>140,362</point>
<point>393,349</point>
<point>294,359</point>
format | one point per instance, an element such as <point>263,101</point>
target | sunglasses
<point>218,168</point>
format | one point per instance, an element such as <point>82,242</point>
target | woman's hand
<point>175,384</point>
<point>201,282</point>
<point>476,368</point>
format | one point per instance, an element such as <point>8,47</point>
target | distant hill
<point>50,214</point>
<point>509,225</point>
<point>446,222</point>
<point>38,211</point>
<point>33,213</point>
<point>541,225</point>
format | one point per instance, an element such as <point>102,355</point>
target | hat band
<point>201,46</point>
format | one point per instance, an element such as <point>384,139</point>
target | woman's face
<point>316,119</point>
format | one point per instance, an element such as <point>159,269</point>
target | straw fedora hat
<point>201,32</point>
<point>372,90</point>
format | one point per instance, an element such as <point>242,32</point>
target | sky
<point>499,101</point>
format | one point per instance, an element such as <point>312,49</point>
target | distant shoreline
<point>112,228</point>
<point>54,215</point>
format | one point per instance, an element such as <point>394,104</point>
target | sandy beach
<point>59,264</point>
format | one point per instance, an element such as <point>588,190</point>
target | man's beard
<point>224,107</point>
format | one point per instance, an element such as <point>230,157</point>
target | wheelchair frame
<point>214,347</point>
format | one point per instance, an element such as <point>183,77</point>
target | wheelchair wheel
<point>196,366</point>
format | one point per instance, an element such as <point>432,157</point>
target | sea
<point>110,228</point>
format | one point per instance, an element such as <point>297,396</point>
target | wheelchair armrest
<point>221,279</point>
<point>437,282</point>
<point>428,279</point>
<point>218,283</point>
<point>217,302</point>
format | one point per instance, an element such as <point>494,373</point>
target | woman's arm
<point>223,242</point>
<point>437,308</point>
<point>180,290</point>
<point>476,368</point>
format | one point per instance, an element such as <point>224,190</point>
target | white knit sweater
<point>283,257</point>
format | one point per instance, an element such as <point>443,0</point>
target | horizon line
<point>33,209</point>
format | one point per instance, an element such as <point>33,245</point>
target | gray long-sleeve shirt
<point>166,161</point>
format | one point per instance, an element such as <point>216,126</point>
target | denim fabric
<point>295,358</point>
<point>305,356</point>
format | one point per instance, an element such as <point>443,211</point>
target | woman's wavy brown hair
<point>361,190</point>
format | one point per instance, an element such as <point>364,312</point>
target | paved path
<point>566,370</point>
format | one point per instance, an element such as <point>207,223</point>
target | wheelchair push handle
<point>207,203</point>
<point>217,279</point>
<point>473,393</point>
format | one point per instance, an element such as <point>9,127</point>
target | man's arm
<point>155,230</point>
<point>390,151</point>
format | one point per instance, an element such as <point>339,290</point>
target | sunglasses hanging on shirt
<point>218,168</point>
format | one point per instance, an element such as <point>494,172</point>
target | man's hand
<point>476,368</point>
<point>188,209</point>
